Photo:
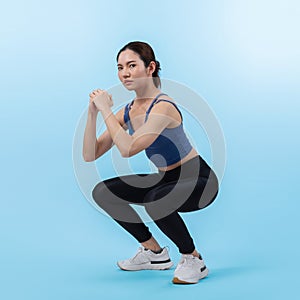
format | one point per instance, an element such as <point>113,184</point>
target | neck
<point>146,92</point>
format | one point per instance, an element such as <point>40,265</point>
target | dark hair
<point>146,54</point>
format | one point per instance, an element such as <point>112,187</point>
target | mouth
<point>127,82</point>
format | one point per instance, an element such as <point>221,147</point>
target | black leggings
<point>189,187</point>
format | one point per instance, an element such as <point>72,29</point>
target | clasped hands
<point>100,100</point>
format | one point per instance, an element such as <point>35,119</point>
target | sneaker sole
<point>194,280</point>
<point>148,266</point>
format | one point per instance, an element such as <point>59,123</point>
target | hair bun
<point>157,65</point>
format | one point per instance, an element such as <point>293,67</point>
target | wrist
<point>106,112</point>
<point>92,114</point>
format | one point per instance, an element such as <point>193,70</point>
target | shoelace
<point>186,261</point>
<point>140,250</point>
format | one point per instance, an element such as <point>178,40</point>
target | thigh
<point>185,195</point>
<point>132,188</point>
<point>170,197</point>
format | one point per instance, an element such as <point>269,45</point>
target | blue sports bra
<point>170,146</point>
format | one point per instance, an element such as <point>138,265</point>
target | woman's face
<point>132,70</point>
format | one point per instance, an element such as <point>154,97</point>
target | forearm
<point>90,140</point>
<point>120,137</point>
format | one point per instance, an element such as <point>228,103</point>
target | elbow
<point>126,153</point>
<point>87,158</point>
<point>129,152</point>
<point>129,149</point>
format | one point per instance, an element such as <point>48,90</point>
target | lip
<point>127,81</point>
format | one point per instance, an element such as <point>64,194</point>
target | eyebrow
<point>127,62</point>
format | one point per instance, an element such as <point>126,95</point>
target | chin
<point>129,88</point>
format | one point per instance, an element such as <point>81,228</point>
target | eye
<point>132,66</point>
<point>119,68</point>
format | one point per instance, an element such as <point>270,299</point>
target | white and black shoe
<point>190,269</point>
<point>145,259</point>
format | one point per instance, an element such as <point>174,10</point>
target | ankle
<point>156,251</point>
<point>152,245</point>
<point>196,254</point>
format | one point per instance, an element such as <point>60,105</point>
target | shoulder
<point>167,107</point>
<point>165,97</point>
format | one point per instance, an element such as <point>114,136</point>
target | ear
<point>151,67</point>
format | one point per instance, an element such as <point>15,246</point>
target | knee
<point>210,192</point>
<point>98,194</point>
<point>213,184</point>
<point>106,195</point>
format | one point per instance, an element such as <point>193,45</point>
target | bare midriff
<point>193,153</point>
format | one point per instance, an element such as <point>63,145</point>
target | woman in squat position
<point>184,181</point>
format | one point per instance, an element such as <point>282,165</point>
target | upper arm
<point>158,119</point>
<point>104,141</point>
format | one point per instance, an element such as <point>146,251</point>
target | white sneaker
<point>190,269</point>
<point>145,259</point>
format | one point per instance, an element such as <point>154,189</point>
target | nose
<point>125,73</point>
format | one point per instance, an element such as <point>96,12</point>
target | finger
<point>99,92</point>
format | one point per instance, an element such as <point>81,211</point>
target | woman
<point>184,182</point>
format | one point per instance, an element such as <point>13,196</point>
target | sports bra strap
<point>159,101</point>
<point>153,102</point>
<point>126,113</point>
<point>128,106</point>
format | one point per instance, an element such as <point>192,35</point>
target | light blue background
<point>241,56</point>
